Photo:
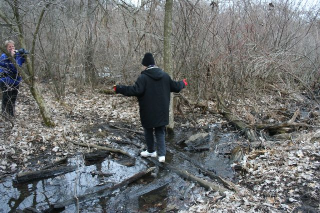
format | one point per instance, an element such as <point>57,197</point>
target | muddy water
<point>167,191</point>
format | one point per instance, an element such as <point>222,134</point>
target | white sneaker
<point>162,159</point>
<point>149,154</point>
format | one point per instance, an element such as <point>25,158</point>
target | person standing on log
<point>153,88</point>
<point>10,78</point>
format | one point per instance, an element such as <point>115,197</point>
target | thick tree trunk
<point>167,52</point>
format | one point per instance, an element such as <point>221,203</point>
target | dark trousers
<point>9,97</point>
<point>160,145</point>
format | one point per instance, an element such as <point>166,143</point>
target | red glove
<point>185,82</point>
<point>115,88</point>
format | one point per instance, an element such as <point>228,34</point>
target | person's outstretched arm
<point>177,86</point>
<point>136,90</point>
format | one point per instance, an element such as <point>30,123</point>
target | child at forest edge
<point>153,88</point>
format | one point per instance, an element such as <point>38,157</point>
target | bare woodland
<point>253,67</point>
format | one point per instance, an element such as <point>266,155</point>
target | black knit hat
<point>148,60</point>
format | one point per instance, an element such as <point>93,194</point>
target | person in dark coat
<point>153,88</point>
<point>10,78</point>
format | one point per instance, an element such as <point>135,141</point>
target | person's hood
<point>154,72</point>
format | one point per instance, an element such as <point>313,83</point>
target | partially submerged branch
<point>103,148</point>
<point>101,192</point>
<point>185,174</point>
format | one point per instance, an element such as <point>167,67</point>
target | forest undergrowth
<point>281,174</point>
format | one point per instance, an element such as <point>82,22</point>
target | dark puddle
<point>163,190</point>
<point>39,194</point>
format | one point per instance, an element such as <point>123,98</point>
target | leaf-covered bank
<point>272,174</point>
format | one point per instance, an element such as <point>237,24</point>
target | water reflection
<point>41,194</point>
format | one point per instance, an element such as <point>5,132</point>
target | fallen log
<point>102,148</point>
<point>96,156</point>
<point>234,120</point>
<point>227,184</point>
<point>282,128</point>
<point>206,184</point>
<point>42,174</point>
<point>103,191</point>
<point>239,124</point>
<point>56,163</point>
<point>185,174</point>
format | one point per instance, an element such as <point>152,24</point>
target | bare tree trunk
<point>42,106</point>
<point>89,46</point>
<point>167,52</point>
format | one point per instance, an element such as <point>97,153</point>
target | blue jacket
<point>153,88</point>
<point>8,72</point>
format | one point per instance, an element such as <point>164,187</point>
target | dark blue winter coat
<point>8,72</point>
<point>153,88</point>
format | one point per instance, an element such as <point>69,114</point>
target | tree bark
<point>42,106</point>
<point>167,55</point>
<point>90,46</point>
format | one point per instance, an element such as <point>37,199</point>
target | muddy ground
<point>280,174</point>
